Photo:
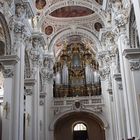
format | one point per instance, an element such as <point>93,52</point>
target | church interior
<point>69,70</point>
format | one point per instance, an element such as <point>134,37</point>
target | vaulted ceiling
<point>71,21</point>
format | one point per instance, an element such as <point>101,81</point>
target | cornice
<point>84,19</point>
<point>133,53</point>
<point>9,59</point>
<point>29,82</point>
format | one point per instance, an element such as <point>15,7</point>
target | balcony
<point>80,90</point>
<point>92,103</point>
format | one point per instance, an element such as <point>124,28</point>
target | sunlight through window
<point>80,127</point>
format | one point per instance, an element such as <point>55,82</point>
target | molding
<point>95,7</point>
<point>9,59</point>
<point>132,53</point>
<point>117,77</point>
<point>29,82</point>
<point>39,36</point>
<point>98,116</point>
<point>79,31</point>
<point>8,63</point>
<point>43,94</point>
<point>31,8</point>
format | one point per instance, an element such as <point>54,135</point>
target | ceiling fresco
<point>71,11</point>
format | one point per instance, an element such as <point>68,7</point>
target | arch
<point>98,116</point>
<point>7,36</point>
<point>79,126</point>
<point>95,7</point>
<point>79,31</point>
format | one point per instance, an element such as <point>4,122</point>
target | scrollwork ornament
<point>121,14</point>
<point>135,65</point>
<point>42,102</point>
<point>48,63</point>
<point>47,75</point>
<point>120,86</point>
<point>104,73</point>
<point>28,91</point>
<point>35,56</point>
<point>20,11</point>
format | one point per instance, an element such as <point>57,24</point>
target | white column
<point>35,55</point>
<point>18,96</point>
<point>7,108</point>
<point>104,71</point>
<point>107,111</point>
<point>42,115</point>
<point>36,96</point>
<point>47,72</point>
<point>120,106</point>
<point>127,81</point>
<point>117,100</point>
<point>133,56</point>
<point>28,118</point>
<point>8,72</point>
<point>29,85</point>
<point>48,111</point>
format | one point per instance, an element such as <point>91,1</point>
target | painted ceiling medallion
<point>48,30</point>
<point>98,26</point>
<point>40,4</point>
<point>71,11</point>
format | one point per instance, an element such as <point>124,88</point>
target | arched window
<point>80,131</point>
<point>80,127</point>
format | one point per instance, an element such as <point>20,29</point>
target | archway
<point>64,127</point>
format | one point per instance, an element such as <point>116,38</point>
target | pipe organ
<point>76,72</point>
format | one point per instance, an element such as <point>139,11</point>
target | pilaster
<point>36,58</point>
<point>47,73</point>
<point>8,69</point>
<point>133,56</point>
<point>120,19</point>
<point>28,99</point>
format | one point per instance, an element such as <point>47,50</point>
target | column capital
<point>37,39</point>
<point>135,65</point>
<point>8,71</point>
<point>8,63</point>
<point>29,83</point>
<point>133,55</point>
